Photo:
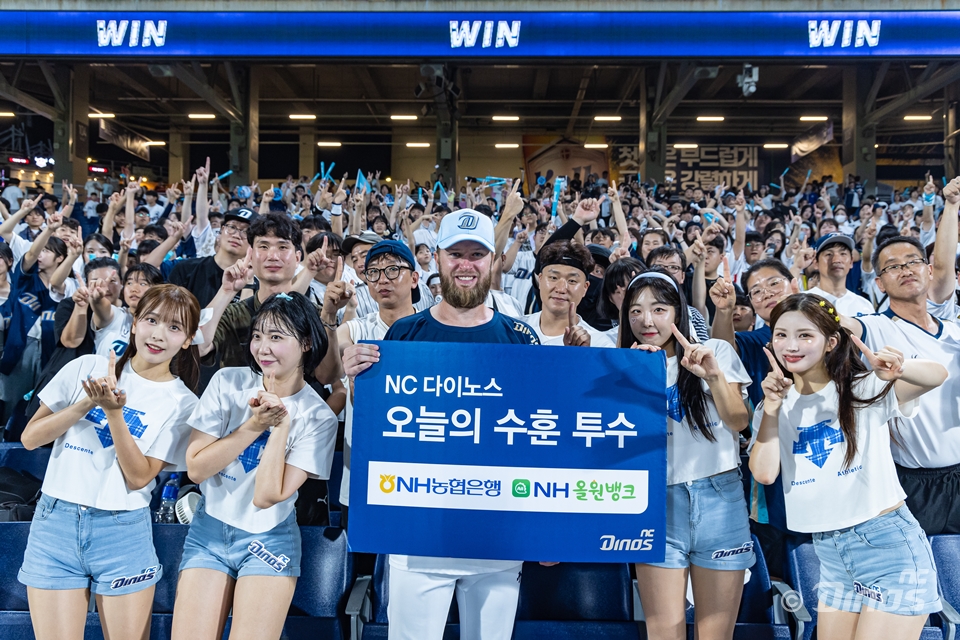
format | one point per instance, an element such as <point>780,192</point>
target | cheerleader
<point>114,426</point>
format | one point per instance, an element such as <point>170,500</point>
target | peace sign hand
<point>697,359</point>
<point>103,392</point>
<point>575,335</point>
<point>775,386</point>
<point>887,363</point>
<point>514,203</point>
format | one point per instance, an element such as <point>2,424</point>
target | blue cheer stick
<point>315,178</point>
<point>775,186</point>
<point>749,188</point>
<point>327,175</point>
<point>944,180</point>
<point>785,172</point>
<point>809,172</point>
<point>222,176</point>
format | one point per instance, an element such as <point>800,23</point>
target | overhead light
<point>201,116</point>
<point>101,115</point>
<point>775,145</point>
<point>681,145</point>
<point>302,116</point>
<point>403,117</point>
<point>331,143</point>
<point>709,118</point>
<point>507,145</point>
<point>607,118</point>
<point>7,114</point>
<point>910,118</point>
<point>155,143</point>
<point>594,146</point>
<point>389,179</point>
<point>418,145</point>
<point>876,146</point>
<point>813,118</point>
<point>89,160</point>
<point>503,118</point>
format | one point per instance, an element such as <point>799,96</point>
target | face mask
<point>840,218</point>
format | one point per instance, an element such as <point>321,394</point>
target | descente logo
<point>143,33</point>
<point>464,34</point>
<point>643,543</point>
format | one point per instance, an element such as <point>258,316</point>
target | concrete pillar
<point>448,151</point>
<point>652,145</point>
<point>859,154</point>
<point>178,150</point>
<point>951,95</point>
<point>308,151</point>
<point>245,137</point>
<point>71,144</point>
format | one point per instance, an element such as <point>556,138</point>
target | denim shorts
<point>76,547</point>
<point>708,524</point>
<point>212,544</point>
<point>884,563</point>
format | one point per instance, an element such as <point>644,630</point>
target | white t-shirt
<point>523,265</point>
<point>597,338</point>
<point>115,336</point>
<point>504,303</point>
<point>820,492</point>
<point>13,195</point>
<point>205,241</point>
<point>156,210</point>
<point>849,304</point>
<point>689,456</point>
<point>83,464</point>
<point>425,236</point>
<point>931,439</point>
<point>222,409</point>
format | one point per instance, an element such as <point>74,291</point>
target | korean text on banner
<point>470,451</point>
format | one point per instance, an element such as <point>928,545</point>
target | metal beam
<point>51,79</point>
<point>148,88</point>
<point>578,102</point>
<point>723,78</point>
<point>817,77</point>
<point>661,77</point>
<point>283,80</point>
<point>629,86</point>
<point>919,92</point>
<point>931,68</point>
<point>234,79</point>
<point>689,74</point>
<point>540,83</point>
<point>371,91</point>
<point>200,87</point>
<point>875,88</point>
<point>29,102</point>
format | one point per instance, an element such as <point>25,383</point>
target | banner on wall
<point>551,157</point>
<point>124,138</point>
<point>709,165</point>
<point>811,140</point>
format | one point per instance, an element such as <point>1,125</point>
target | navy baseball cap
<point>398,249</point>
<point>834,238</point>
<point>243,214</point>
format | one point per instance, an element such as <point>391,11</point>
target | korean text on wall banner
<point>510,452</point>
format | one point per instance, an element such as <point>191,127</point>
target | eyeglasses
<point>670,268</point>
<point>230,228</point>
<point>897,268</point>
<point>770,285</point>
<point>392,273</point>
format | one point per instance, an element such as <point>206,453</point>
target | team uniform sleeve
<point>171,443</point>
<point>313,450</point>
<point>730,364</point>
<point>65,390</point>
<point>210,416</point>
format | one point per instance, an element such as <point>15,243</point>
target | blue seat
<point>336,478</point>
<point>318,611</point>
<point>168,541</point>
<point>14,456</point>
<point>760,616</point>
<point>574,600</point>
<point>946,555</point>
<point>14,612</point>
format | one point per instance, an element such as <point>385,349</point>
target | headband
<point>655,274</point>
<point>568,261</point>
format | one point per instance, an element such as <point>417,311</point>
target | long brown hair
<point>172,304</point>
<point>843,363</point>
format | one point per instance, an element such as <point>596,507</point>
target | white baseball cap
<point>463,225</point>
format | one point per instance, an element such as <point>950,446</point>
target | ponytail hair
<point>175,305</point>
<point>690,387</point>
<point>843,362</point>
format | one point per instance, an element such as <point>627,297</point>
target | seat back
<point>576,591</point>
<point>336,478</point>
<point>756,605</point>
<point>803,575</point>
<point>946,555</point>
<point>326,573</point>
<point>379,592</point>
<point>14,456</point>
<point>168,541</point>
<point>13,595</point>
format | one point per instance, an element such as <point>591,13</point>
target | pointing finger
<point>864,348</point>
<point>572,316</point>
<point>339,273</point>
<point>774,365</point>
<point>726,266</point>
<point>680,339</point>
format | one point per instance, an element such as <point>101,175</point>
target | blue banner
<point>510,452</point>
<point>374,34</point>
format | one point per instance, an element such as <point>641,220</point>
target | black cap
<point>601,255</point>
<point>243,214</point>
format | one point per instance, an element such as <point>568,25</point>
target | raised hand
<point>575,335</point>
<point>587,211</point>
<point>235,276</point>
<point>887,363</point>
<point>54,221</point>
<point>775,386</point>
<point>929,188</point>
<point>103,392</point>
<point>723,294</point>
<point>514,203</point>
<point>951,191</point>
<point>319,260</point>
<point>338,294</point>
<point>81,297</point>
<point>697,359</point>
<point>357,358</point>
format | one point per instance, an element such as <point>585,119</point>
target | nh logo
<point>113,33</point>
<point>464,34</point>
<point>824,33</point>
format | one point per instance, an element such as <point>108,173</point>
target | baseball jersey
<point>820,492</point>
<point>849,304</point>
<point>83,464</point>
<point>115,336</point>
<point>222,409</point>
<point>597,338</point>
<point>523,265</point>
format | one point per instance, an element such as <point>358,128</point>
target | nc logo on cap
<point>468,222</point>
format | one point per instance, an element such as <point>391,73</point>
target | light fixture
<point>914,118</point>
<point>143,179</point>
<point>7,114</point>
<point>326,143</point>
<point>709,118</point>
<point>503,118</point>
<point>507,145</point>
<point>89,160</point>
<point>813,118</point>
<point>389,179</point>
<point>607,118</point>
<point>201,116</point>
<point>876,146</point>
<point>302,116</point>
<point>418,145</point>
<point>101,115</point>
<point>775,145</point>
<point>591,145</point>
<point>155,143</point>
<point>682,145</point>
<point>403,117</point>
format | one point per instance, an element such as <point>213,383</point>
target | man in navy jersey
<point>421,587</point>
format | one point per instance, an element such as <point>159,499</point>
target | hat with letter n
<point>465,225</point>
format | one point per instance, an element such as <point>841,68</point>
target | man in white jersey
<point>926,447</point>
<point>834,260</point>
<point>390,270</point>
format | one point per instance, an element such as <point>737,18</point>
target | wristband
<point>332,327</point>
<point>336,209</point>
<point>928,198</point>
